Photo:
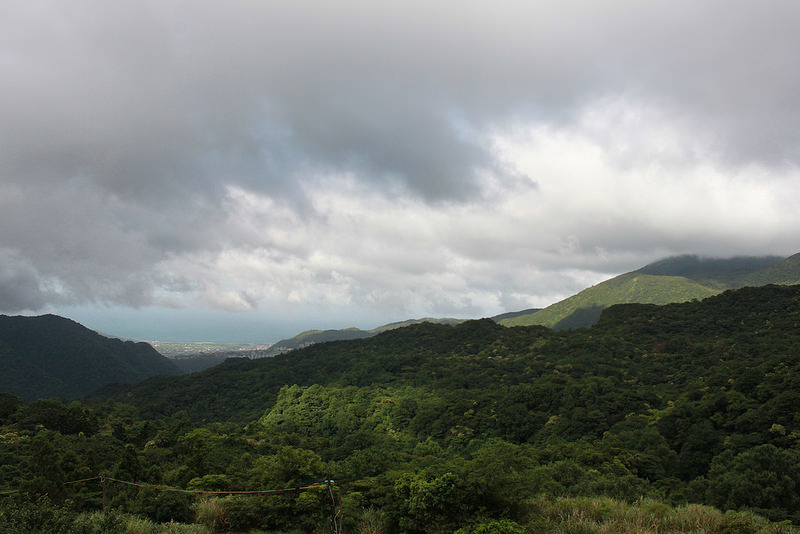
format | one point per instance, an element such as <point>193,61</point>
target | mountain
<point>425,353</point>
<point>725,273</point>
<point>467,428</point>
<point>676,279</point>
<point>786,272</point>
<point>50,356</point>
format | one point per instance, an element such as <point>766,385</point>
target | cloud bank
<point>405,158</point>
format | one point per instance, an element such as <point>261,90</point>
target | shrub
<point>212,514</point>
<point>371,522</point>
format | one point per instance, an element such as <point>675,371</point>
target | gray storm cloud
<point>126,126</point>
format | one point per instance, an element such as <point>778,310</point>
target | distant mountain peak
<point>674,279</point>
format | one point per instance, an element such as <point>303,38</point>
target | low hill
<point>194,361</point>
<point>50,356</point>
<point>310,337</point>
<point>194,357</point>
<point>677,279</point>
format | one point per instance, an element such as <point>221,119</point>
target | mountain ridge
<point>310,337</point>
<point>674,279</point>
<point>52,356</point>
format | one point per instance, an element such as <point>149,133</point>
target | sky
<point>243,170</point>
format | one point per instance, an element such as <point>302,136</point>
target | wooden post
<point>103,484</point>
<point>336,527</point>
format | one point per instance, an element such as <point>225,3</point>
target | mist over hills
<point>725,272</point>
<point>675,279</point>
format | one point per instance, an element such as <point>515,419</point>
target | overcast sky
<point>246,169</point>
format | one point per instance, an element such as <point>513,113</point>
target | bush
<point>23,514</point>
<point>371,522</point>
<point>212,514</point>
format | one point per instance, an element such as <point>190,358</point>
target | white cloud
<point>407,159</point>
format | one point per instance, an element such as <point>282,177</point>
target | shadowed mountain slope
<point>50,356</point>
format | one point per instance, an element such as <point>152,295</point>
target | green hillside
<point>50,356</point>
<point>432,428</point>
<point>676,279</point>
<point>630,287</point>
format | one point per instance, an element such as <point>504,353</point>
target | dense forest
<point>656,419</point>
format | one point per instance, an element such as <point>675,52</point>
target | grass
<point>568,515</point>
<point>545,515</point>
<point>602,515</point>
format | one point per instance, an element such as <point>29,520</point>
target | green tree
<point>764,477</point>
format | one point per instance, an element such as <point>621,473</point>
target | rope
<point>202,492</point>
<point>82,480</point>
<point>336,507</point>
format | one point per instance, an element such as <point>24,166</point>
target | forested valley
<point>675,418</point>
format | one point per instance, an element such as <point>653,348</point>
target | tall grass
<point>602,515</point>
<point>138,525</point>
<point>573,515</point>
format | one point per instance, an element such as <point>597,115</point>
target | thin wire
<point>82,480</point>
<point>203,492</point>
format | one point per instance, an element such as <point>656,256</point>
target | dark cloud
<point>126,126</point>
<point>20,288</point>
<point>153,100</point>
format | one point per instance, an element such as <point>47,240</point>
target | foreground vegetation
<point>431,428</point>
<point>544,515</point>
